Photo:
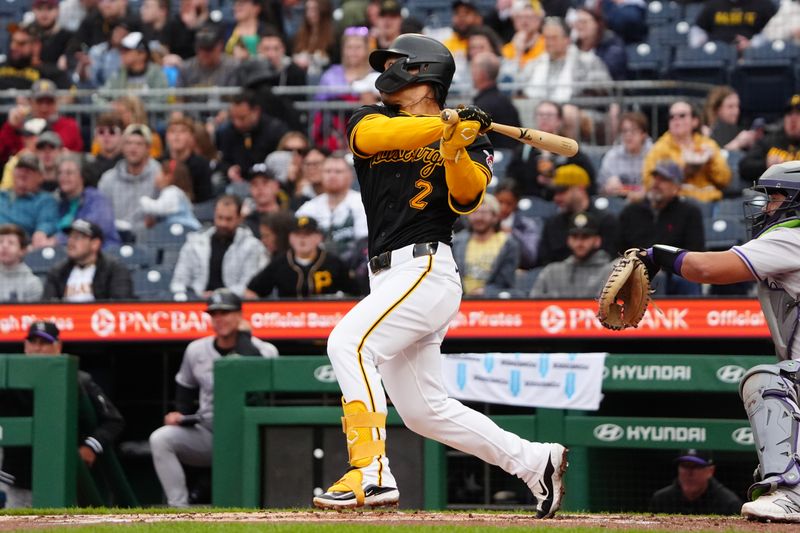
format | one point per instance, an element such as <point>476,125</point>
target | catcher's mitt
<point>628,283</point>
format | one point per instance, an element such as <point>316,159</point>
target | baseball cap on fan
<point>696,457</point>
<point>793,104</point>
<point>390,8</point>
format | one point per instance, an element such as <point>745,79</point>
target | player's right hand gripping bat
<point>539,139</point>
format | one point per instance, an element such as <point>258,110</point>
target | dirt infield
<point>606,521</point>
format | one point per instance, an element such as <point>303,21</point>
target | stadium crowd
<point>260,198</point>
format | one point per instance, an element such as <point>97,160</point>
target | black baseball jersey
<point>405,193</point>
<point>325,275</point>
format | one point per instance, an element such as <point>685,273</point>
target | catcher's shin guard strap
<point>669,258</point>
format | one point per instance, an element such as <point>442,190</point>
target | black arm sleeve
<point>186,399</point>
<point>109,420</point>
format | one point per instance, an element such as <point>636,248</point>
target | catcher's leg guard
<point>770,398</point>
<point>362,429</point>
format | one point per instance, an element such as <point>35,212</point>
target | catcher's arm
<point>718,268</point>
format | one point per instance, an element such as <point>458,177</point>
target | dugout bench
<point>58,477</point>
<point>239,477</point>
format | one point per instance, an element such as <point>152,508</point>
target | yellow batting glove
<point>456,137</point>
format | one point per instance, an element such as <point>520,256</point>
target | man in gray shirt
<point>210,67</point>
<point>186,436</point>
<point>583,273</point>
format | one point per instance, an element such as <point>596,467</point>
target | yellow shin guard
<point>363,445</point>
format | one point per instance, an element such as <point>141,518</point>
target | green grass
<point>198,527</point>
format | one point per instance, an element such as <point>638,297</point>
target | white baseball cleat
<point>348,493</point>
<point>782,505</point>
<point>549,489</point>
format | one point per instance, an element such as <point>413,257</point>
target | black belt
<point>384,260</point>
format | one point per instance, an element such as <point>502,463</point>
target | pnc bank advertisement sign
<point>308,320</point>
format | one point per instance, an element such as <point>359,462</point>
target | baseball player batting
<point>769,392</point>
<point>417,175</point>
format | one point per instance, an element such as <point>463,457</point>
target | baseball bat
<point>536,138</point>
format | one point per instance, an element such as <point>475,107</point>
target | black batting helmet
<point>784,179</point>
<point>434,61</point>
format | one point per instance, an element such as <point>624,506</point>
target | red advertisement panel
<point>159,321</point>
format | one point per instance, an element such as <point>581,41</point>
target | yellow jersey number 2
<point>418,201</point>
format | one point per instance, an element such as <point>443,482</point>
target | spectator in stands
<point>173,205</point>
<point>30,131</point>
<point>584,272</point>
<point>731,21</point>
<point>283,71</point>
<point>465,17</point>
<point>138,71</point>
<point>527,42</point>
<point>87,274</point>
<point>48,149</point>
<point>481,39</point>
<point>338,210</point>
<point>55,39</point>
<point>571,195</point>
<point>778,147</point>
<point>274,229</point>
<point>308,269</point>
<point>722,120</point>
<point>72,12</point>
<point>487,258</point>
<point>181,144</point>
<point>695,490</point>
<point>17,282</point>
<point>246,29</point>
<point>98,24</point>
<point>785,24</point>
<point>621,168</point>
<point>499,18</point>
<point>665,218</point>
<point>266,194</point>
<point>389,24</point>
<point>225,255</point>
<point>248,136</point>
<point>44,105</point>
<point>132,111</point>
<point>592,35</point>
<point>187,434</point>
<point>329,129</point>
<point>22,66</point>
<point>96,66</point>
<point>315,42</point>
<point>210,67</point>
<point>182,26</point>
<point>553,74</point>
<point>154,15</point>
<point>286,162</point>
<point>132,177</point>
<point>99,421</point>
<point>79,201</point>
<point>26,205</point>
<point>533,169</point>
<point>484,68</point>
<point>705,171</point>
<point>626,18</point>
<point>527,230</point>
<point>108,133</point>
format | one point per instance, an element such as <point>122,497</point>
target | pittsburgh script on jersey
<point>427,155</point>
